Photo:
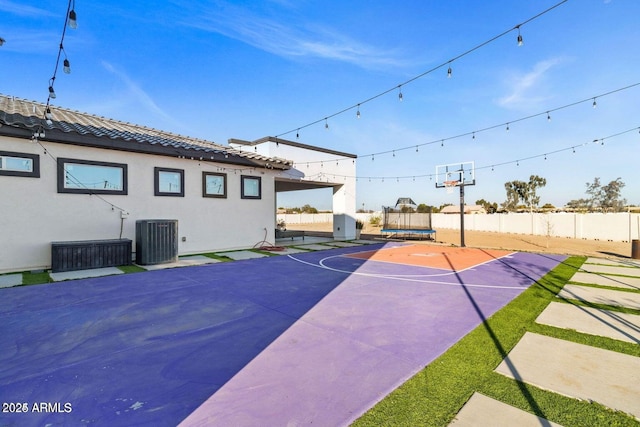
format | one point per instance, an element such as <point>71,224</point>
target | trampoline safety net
<point>403,219</point>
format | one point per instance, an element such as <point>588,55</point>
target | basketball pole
<point>461,214</point>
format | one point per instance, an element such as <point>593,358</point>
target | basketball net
<point>450,185</point>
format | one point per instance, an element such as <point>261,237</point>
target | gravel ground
<point>518,242</point>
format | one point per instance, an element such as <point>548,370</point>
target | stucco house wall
<point>34,213</point>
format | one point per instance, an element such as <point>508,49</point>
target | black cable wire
<point>399,86</point>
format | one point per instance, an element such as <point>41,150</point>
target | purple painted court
<point>316,337</point>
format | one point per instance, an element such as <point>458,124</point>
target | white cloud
<point>525,90</point>
<point>136,94</point>
<point>288,40</point>
<point>22,10</point>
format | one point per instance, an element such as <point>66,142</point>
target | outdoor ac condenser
<point>156,241</point>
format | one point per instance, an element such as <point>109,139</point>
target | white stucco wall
<point>33,213</point>
<point>334,168</point>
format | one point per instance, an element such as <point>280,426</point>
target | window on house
<point>251,187</point>
<point>169,182</point>
<point>19,164</point>
<point>214,185</point>
<point>91,177</point>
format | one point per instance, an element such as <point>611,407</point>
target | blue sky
<point>222,69</point>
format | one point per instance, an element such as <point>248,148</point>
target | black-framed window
<point>168,182</point>
<point>91,177</point>
<point>19,164</point>
<point>251,187</point>
<point>214,185</point>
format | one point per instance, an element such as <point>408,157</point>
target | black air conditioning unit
<point>156,241</point>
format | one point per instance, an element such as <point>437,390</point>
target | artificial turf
<point>435,395</point>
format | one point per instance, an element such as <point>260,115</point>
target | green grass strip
<point>435,395</point>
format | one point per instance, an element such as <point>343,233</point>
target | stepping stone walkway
<point>571,369</point>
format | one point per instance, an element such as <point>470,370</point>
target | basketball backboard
<point>455,174</point>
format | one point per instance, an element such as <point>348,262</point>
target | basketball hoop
<point>450,185</point>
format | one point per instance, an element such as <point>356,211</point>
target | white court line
<point>509,255</point>
<point>405,279</point>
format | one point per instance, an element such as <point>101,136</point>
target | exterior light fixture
<point>66,66</point>
<point>73,19</point>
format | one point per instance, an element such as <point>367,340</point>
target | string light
<point>595,104</point>
<point>507,127</point>
<point>2,41</point>
<point>358,112</point>
<point>547,113</point>
<point>326,124</point>
<point>449,72</point>
<point>469,51</point>
<point>548,117</point>
<point>520,40</point>
<point>73,19</point>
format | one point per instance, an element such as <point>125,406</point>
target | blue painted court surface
<point>316,337</point>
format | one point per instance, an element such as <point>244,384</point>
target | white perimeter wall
<point>617,227</point>
<point>33,214</point>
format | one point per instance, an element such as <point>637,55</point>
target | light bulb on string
<point>66,66</point>
<point>73,19</point>
<point>507,127</point>
<point>449,72</point>
<point>548,117</point>
<point>473,136</point>
<point>416,148</point>
<point>48,116</point>
<point>298,134</point>
<point>52,93</point>
<point>326,124</point>
<point>358,112</point>
<point>400,92</point>
<point>520,40</point>
<point>595,104</point>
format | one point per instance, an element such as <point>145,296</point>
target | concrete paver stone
<point>481,410</point>
<point>601,296</point>
<point>611,269</point>
<point>84,274</point>
<point>240,255</point>
<point>576,370</point>
<point>617,262</point>
<point>603,280</point>
<point>9,280</point>
<point>618,326</point>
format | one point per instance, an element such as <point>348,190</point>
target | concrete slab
<point>365,242</point>
<point>343,244</point>
<point>239,255</point>
<point>84,274</point>
<point>576,370</point>
<point>481,410</point>
<point>289,251</point>
<point>588,320</point>
<point>604,280</point>
<point>611,269</point>
<point>315,247</point>
<point>185,261</point>
<point>9,280</point>
<point>601,296</point>
<point>616,262</point>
